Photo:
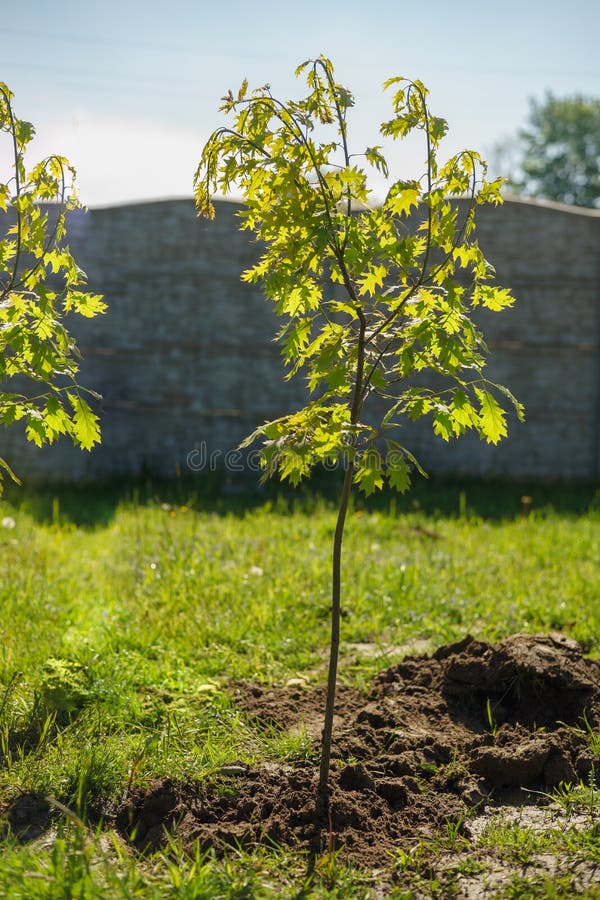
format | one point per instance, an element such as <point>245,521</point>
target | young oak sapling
<point>376,301</point>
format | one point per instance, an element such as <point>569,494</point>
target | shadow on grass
<point>94,505</point>
<point>26,817</point>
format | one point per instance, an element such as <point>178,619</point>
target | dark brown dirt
<point>436,737</point>
<point>26,817</point>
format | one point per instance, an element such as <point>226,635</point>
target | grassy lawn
<point>127,610</point>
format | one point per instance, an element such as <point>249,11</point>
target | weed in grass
<point>592,734</point>
<point>468,867</point>
<point>418,859</point>
<point>560,887</point>
<point>515,841</point>
<point>288,746</point>
<point>8,691</point>
<point>575,797</point>
<point>492,724</point>
<point>64,687</point>
<point>583,841</point>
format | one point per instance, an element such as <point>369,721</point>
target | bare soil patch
<point>436,737</point>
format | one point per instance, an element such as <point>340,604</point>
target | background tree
<point>557,155</point>
<point>372,299</point>
<point>40,283</point>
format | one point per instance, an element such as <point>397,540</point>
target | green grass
<point>82,865</point>
<point>127,609</point>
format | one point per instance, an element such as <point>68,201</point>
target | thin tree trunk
<point>335,634</point>
<point>336,575</point>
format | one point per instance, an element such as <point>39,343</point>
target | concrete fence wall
<point>185,358</point>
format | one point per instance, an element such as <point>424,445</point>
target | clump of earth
<point>435,738</point>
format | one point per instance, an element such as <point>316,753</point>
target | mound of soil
<point>435,737</point>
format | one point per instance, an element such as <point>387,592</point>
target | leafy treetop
<point>557,154</point>
<point>40,283</point>
<point>373,299</point>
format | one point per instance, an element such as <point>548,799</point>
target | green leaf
<point>494,298</point>
<point>519,408</point>
<point>466,254</point>
<point>396,79</point>
<point>5,466</point>
<point>86,430</point>
<point>295,337</point>
<point>377,160</point>
<point>24,132</point>
<point>4,196</point>
<point>443,424</point>
<point>372,280</point>
<point>35,430</point>
<point>88,305</point>
<point>464,415</point>
<point>492,417</point>
<point>438,128</point>
<point>398,471</point>
<point>402,201</point>
<point>56,419</point>
<point>369,472</point>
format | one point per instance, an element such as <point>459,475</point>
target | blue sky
<point>129,90</point>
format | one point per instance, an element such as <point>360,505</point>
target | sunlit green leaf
<point>369,475</point>
<point>372,280</point>
<point>86,430</point>
<point>403,200</point>
<point>492,417</point>
<point>493,298</point>
<point>398,472</point>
